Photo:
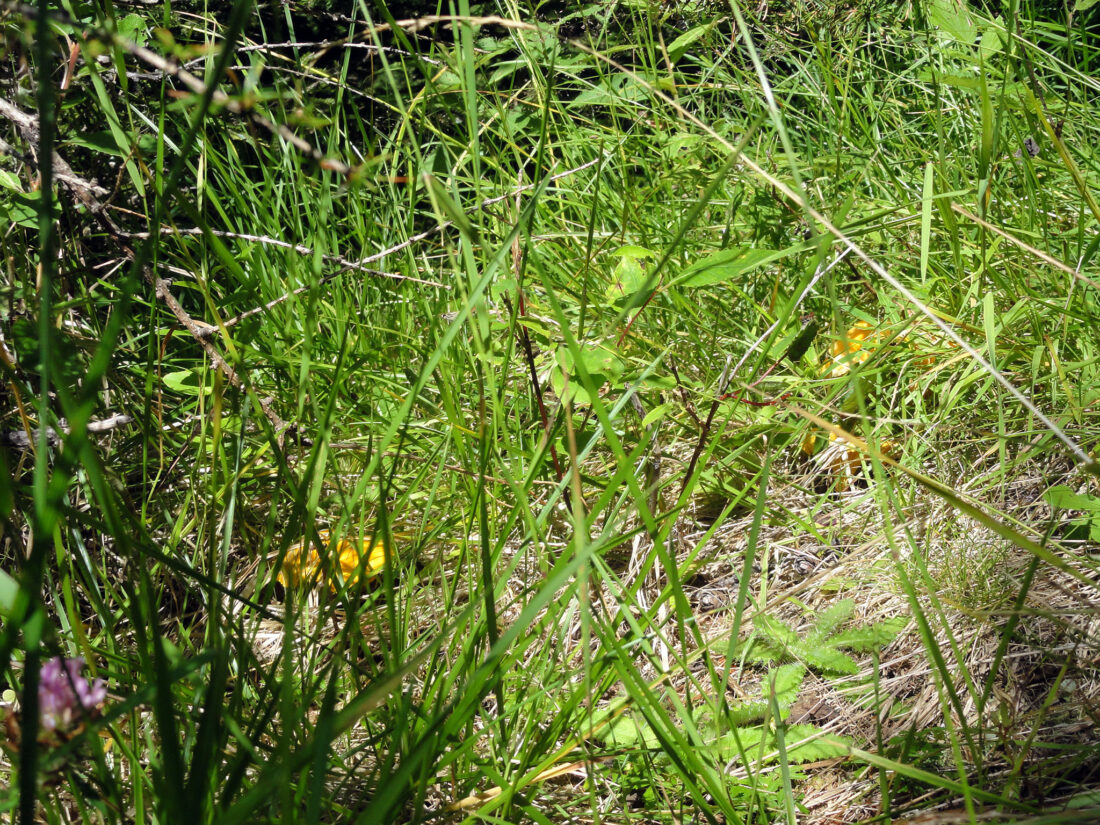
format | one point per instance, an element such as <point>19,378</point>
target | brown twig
<point>525,344</point>
<point>684,396</point>
<point>704,433</point>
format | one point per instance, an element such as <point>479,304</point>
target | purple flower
<point>64,694</point>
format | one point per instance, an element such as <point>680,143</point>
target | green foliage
<point>1086,525</point>
<point>743,731</point>
<point>746,730</point>
<point>820,647</point>
<point>629,276</point>
<point>346,275</point>
<point>729,264</point>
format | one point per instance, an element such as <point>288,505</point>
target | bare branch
<point>22,440</point>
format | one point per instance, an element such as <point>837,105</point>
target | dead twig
<point>23,440</point>
<point>346,263</point>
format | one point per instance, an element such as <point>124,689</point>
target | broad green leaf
<point>802,342</point>
<point>787,681</point>
<point>618,88</point>
<point>189,382</point>
<point>104,141</point>
<point>954,18</point>
<point>726,748</point>
<point>680,141</point>
<point>627,279</point>
<point>745,713</point>
<point>596,361</point>
<point>1063,498</point>
<point>775,631</point>
<point>10,181</point>
<point>22,209</point>
<point>870,637</point>
<point>629,732</point>
<point>657,413</point>
<point>961,82</point>
<point>829,659</point>
<point>536,327</point>
<point>656,382</point>
<point>992,41</point>
<point>132,27</point>
<point>601,364</point>
<point>830,619</point>
<point>631,251</point>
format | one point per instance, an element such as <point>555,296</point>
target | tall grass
<point>561,307</point>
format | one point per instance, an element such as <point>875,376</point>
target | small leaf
<point>596,361</point>
<point>601,364</point>
<point>189,382</point>
<point>830,660</point>
<point>10,181</point>
<point>630,732</point>
<point>815,749</point>
<point>132,28</point>
<point>627,279</point>
<point>801,343</point>
<point>9,589</point>
<point>749,739</point>
<point>658,382</point>
<point>22,209</point>
<point>953,17</point>
<point>745,713</point>
<point>656,414</point>
<point>727,264</point>
<point>1063,498</point>
<point>616,88</point>
<point>991,42</point>
<point>787,679</point>
<point>863,639</point>
<point>829,620</point>
<point>679,46</point>
<point>635,252</point>
<point>776,632</point>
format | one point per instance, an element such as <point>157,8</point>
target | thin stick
<point>299,248</point>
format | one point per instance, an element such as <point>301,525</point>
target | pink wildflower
<point>64,695</point>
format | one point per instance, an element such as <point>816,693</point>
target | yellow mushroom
<point>302,565</point>
<point>849,349</point>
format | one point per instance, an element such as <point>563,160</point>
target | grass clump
<point>632,412</point>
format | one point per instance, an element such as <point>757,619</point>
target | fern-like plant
<point>747,730</point>
<point>744,732</point>
<point>820,649</point>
